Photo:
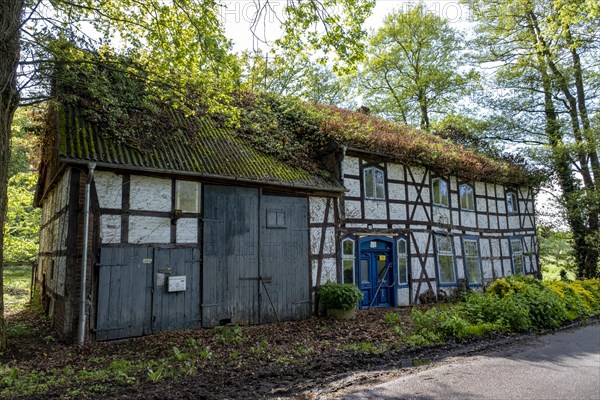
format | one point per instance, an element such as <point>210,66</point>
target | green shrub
<point>339,296</point>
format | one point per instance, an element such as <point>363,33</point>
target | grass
<point>17,283</point>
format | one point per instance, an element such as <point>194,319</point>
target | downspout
<point>86,226</point>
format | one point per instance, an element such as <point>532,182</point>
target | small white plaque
<point>147,261</point>
<point>373,244</point>
<point>160,279</point>
<point>176,284</point>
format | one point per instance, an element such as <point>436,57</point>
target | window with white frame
<point>518,260</point>
<point>439,188</point>
<point>445,259</point>
<point>472,261</point>
<point>402,251</point>
<point>512,206</point>
<point>348,259</point>
<point>467,197</point>
<point>374,185</point>
<point>187,196</point>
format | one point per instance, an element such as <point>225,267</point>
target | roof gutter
<point>86,226</point>
<point>199,175</point>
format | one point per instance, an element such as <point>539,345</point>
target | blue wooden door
<point>376,273</point>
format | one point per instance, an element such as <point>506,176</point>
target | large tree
<point>545,59</point>
<point>413,67</point>
<point>177,43</point>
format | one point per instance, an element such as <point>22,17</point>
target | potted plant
<point>340,300</point>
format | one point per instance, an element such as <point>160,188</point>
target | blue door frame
<point>375,272</point>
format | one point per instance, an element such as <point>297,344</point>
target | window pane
<point>443,193</point>
<point>379,185</point>
<point>364,271</point>
<point>348,247</point>
<point>472,262</point>
<point>369,183</point>
<point>436,191</point>
<point>444,245</point>
<point>446,269</point>
<point>186,198</point>
<point>467,201</point>
<point>511,202</point>
<point>402,270</point>
<point>348,271</point>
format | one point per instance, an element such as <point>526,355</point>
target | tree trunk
<point>10,29</point>
<point>424,110</point>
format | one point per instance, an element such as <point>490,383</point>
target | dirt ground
<point>315,358</point>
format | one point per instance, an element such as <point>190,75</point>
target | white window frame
<point>348,258</point>
<point>514,202</point>
<point>442,194</point>
<point>439,239</point>
<point>517,254</point>
<point>378,188</point>
<point>468,192</point>
<point>469,258</point>
<point>179,185</point>
<point>402,260</point>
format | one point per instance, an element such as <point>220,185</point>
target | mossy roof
<point>213,151</point>
<point>410,146</point>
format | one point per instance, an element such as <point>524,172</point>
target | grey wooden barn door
<point>134,297</point>
<point>230,268</point>
<point>284,289</point>
<point>176,294</point>
<point>124,292</point>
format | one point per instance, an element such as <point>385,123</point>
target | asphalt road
<point>564,365</point>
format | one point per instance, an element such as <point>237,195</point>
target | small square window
<point>276,219</point>
<point>374,183</point>
<point>467,197</point>
<point>186,196</point>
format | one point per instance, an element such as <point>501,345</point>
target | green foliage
<point>412,69</point>
<point>155,375</point>
<point>343,296</point>
<point>556,254</point>
<point>22,225</point>
<point>391,318</point>
<point>229,334</point>
<point>516,304</point>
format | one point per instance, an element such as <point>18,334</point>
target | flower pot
<point>336,313</point>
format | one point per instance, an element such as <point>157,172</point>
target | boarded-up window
<point>348,260</point>
<point>187,196</point>
<point>445,260</point>
<point>472,261</point>
<point>276,219</point>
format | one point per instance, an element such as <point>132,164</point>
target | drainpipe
<point>86,226</point>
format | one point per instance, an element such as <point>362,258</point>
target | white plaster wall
<point>328,271</point>
<point>150,194</point>
<point>398,212</point>
<point>481,205</point>
<point>513,222</point>
<point>187,230</point>
<point>441,215</point>
<point>109,187</point>
<point>502,222</point>
<point>468,219</point>
<point>60,274</point>
<point>317,207</point>
<point>403,296</point>
<point>482,221</point>
<point>454,203</point>
<point>480,188</point>
<point>395,171</point>
<point>375,209</point>
<point>350,166</point>
<point>396,191</point>
<point>353,186</point>
<point>315,241</point>
<point>491,205</point>
<point>149,229</point>
<point>418,174</point>
<point>110,228</point>
<point>352,209</point>
<point>499,191</point>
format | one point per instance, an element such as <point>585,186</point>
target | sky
<point>237,16</point>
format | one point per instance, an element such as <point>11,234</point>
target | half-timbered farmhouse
<point>202,228</point>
